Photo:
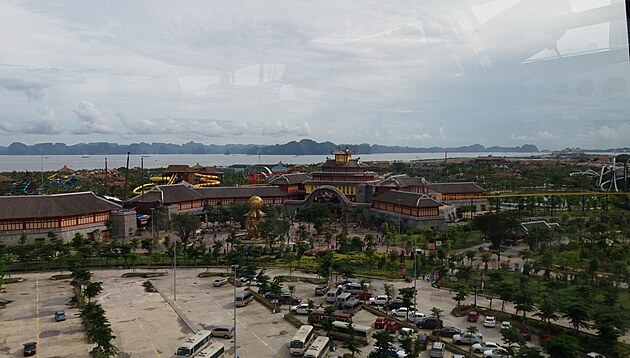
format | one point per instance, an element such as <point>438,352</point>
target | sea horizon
<point>48,163</point>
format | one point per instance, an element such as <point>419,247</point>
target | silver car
<point>223,331</point>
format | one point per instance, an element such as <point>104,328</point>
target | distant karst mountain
<point>303,147</point>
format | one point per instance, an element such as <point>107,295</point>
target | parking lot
<point>30,317</point>
<point>153,324</point>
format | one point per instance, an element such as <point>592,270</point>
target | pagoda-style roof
<point>53,206</point>
<point>178,168</point>
<point>408,199</point>
<point>288,179</point>
<point>402,181</point>
<point>65,169</point>
<point>455,188</point>
<point>209,193</point>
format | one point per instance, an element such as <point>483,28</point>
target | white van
<point>355,288</point>
<point>333,292</point>
<point>437,350</point>
<point>343,298</point>
<point>243,298</point>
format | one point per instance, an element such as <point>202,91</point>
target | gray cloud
<point>398,72</point>
<point>47,123</point>
<point>91,120</point>
<point>32,89</point>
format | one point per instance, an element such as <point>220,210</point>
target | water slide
<point>155,181</point>
<point>206,180</point>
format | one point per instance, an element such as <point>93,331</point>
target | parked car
<point>490,322</point>
<point>253,282</point>
<point>220,282</point>
<point>415,317</point>
<point>447,331</point>
<point>473,316</point>
<point>392,326</point>
<point>468,338</point>
<point>595,355</point>
<point>400,312</point>
<point>380,323</point>
<point>321,290</point>
<point>437,350</point>
<point>526,333</point>
<point>60,316</point>
<point>287,299</point>
<point>302,308</point>
<point>430,323</point>
<point>484,346</point>
<point>271,296</point>
<point>223,331</point>
<point>30,349</point>
<point>364,296</point>
<point>394,304</point>
<point>506,325</point>
<point>380,300</point>
<point>496,353</point>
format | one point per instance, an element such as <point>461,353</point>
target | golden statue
<point>254,217</point>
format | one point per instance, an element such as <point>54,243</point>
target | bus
<point>316,317</point>
<point>341,331</point>
<point>301,340</point>
<point>194,344</point>
<point>319,348</point>
<point>215,350</point>
<point>352,306</point>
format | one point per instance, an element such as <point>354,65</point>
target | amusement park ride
<point>200,180</point>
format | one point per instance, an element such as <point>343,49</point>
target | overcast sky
<point>553,73</point>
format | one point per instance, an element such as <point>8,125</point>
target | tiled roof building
<point>62,214</point>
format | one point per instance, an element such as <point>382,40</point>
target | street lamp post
<point>399,212</point>
<point>152,227</point>
<point>174,271</point>
<point>234,267</point>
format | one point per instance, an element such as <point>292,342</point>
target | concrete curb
<point>177,310</point>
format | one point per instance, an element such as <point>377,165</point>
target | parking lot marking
<point>263,342</point>
<point>135,319</point>
<point>37,312</point>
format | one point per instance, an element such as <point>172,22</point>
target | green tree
<point>512,337</point>
<point>351,343</point>
<point>185,226</point>
<point>611,323</point>
<point>577,311</point>
<point>547,311</point>
<point>436,312</point>
<point>528,352</point>
<point>460,295</point>
<point>471,330</point>
<point>407,294</point>
<point>384,342</point>
<point>562,346</point>
<point>92,289</point>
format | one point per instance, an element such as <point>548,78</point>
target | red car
<point>364,296</point>
<point>473,316</point>
<point>392,327</point>
<point>381,322</point>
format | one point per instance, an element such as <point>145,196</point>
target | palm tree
<point>547,311</point>
<point>578,314</point>
<point>351,343</point>
<point>471,330</point>
<point>92,289</point>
